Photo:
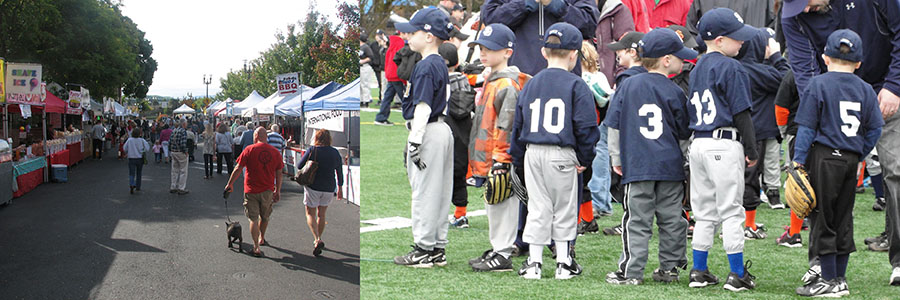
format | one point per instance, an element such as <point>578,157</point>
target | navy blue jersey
<point>651,117</point>
<point>719,90</point>
<point>555,107</point>
<point>429,83</point>
<point>841,108</point>
<point>628,73</point>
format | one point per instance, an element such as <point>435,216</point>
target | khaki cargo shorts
<point>258,207</point>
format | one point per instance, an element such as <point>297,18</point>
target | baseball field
<point>386,194</point>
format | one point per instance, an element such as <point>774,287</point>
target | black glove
<point>414,156</point>
<point>499,168</point>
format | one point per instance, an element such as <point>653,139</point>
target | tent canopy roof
<point>345,98</point>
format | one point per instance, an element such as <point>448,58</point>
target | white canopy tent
<point>211,105</point>
<point>184,109</point>
<point>251,100</point>
<point>265,107</point>
<point>119,109</point>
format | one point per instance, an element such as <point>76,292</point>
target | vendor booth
<point>184,110</point>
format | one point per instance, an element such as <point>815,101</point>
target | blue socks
<point>841,265</point>
<point>878,184</point>
<point>700,260</point>
<point>736,262</point>
<point>829,266</point>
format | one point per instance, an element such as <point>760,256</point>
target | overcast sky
<point>195,37</point>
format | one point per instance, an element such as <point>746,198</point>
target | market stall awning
<point>251,100</point>
<point>184,109</point>
<point>54,104</point>
<point>292,106</point>
<point>345,98</point>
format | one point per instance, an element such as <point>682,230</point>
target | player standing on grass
<point>839,124</point>
<point>430,141</point>
<point>724,143</point>
<point>554,134</point>
<point>653,119</point>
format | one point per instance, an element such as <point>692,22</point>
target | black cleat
<point>821,288</point>
<point>665,276</point>
<point>703,278</point>
<point>737,284</point>
<point>417,258</point>
<point>496,263</point>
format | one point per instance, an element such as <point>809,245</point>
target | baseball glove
<point>798,192</point>
<point>496,188</point>
<point>517,182</point>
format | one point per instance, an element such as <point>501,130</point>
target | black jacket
<point>406,60</point>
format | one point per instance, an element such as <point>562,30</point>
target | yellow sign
<point>2,83</point>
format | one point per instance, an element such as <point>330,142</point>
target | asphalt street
<point>90,239</point>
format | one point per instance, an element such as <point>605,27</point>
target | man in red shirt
<point>395,86</point>
<point>263,163</point>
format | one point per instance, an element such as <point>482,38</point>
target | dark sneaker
<point>820,288</point>
<point>183,192</point>
<point>665,276</point>
<point>790,241</point>
<point>438,257</point>
<point>881,246</point>
<point>618,278</point>
<point>587,227</point>
<point>879,204</point>
<point>860,189</point>
<point>172,191</point>
<point>530,270</point>
<point>895,276</point>
<point>701,279</point>
<point>774,199</point>
<point>615,230</point>
<point>875,239</point>
<point>417,258</point>
<point>496,263</point>
<point>564,271</point>
<point>813,274</point>
<point>805,225</point>
<point>384,123</point>
<point>461,222</point>
<point>750,234</point>
<point>487,253</point>
<point>737,284</point>
<point>843,288</point>
<point>519,251</point>
<point>602,214</point>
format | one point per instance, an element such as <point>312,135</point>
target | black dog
<point>234,235</point>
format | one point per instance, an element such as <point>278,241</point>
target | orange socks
<point>460,211</point>
<point>586,212</point>
<point>796,224</point>
<point>751,219</point>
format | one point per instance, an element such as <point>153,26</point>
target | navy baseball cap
<point>429,19</point>
<point>569,36</point>
<point>495,37</point>
<point>724,22</point>
<point>792,8</point>
<point>844,37</point>
<point>701,46</point>
<point>660,42</point>
<point>628,40</point>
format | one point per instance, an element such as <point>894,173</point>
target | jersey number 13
<point>699,102</point>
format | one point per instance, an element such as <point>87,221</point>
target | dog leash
<point>227,215</point>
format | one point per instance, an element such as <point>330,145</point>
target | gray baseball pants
<point>432,187</point>
<point>643,201</point>
<point>503,224</point>
<point>553,189</point>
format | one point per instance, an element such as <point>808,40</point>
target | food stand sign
<point>288,84</point>
<point>326,119</point>
<point>2,82</point>
<point>23,84</point>
<point>86,98</point>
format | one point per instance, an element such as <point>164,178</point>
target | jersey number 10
<point>699,102</point>
<point>555,108</point>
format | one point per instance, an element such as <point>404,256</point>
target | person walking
<point>99,133</point>
<point>208,142</point>
<point>178,151</point>
<point>318,195</point>
<point>262,185</point>
<point>224,148</point>
<point>135,147</point>
<point>164,136</point>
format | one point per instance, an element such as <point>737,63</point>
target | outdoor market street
<point>90,239</point>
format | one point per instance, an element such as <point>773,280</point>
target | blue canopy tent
<point>293,106</point>
<point>337,112</point>
<point>344,98</point>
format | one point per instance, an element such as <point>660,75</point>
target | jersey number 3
<point>555,108</point>
<point>851,122</point>
<point>699,102</point>
<point>654,127</point>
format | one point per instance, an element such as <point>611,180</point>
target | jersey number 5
<point>554,107</point>
<point>699,102</point>
<point>654,122</point>
<point>851,122</point>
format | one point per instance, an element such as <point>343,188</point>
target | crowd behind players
<point>612,31</point>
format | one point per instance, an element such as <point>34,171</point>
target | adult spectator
<point>669,12</point>
<point>807,25</point>
<point>639,14</point>
<point>366,73</point>
<point>178,152</point>
<point>99,134</point>
<point>191,143</point>
<point>395,85</point>
<point>135,147</point>
<point>224,148</point>
<point>458,15</point>
<point>756,13</point>
<point>262,185</point>
<point>208,142</point>
<point>524,18</point>
<point>615,21</point>
<point>274,139</point>
<point>165,135</point>
<point>247,138</point>
<point>318,195</point>
<point>446,6</point>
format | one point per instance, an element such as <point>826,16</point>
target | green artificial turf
<point>386,189</point>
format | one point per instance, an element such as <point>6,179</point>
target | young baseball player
<point>839,123</point>
<point>724,143</point>
<point>554,133</point>
<point>648,116</point>
<point>430,141</point>
<point>599,205</point>
<point>766,68</point>
<point>489,145</point>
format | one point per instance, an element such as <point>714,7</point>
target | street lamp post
<point>207,81</point>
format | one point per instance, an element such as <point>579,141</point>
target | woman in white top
<point>134,148</point>
<point>224,149</point>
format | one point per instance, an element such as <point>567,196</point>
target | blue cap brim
<point>746,33</point>
<point>405,27</point>
<point>685,53</point>
<point>793,8</point>
<point>487,44</point>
